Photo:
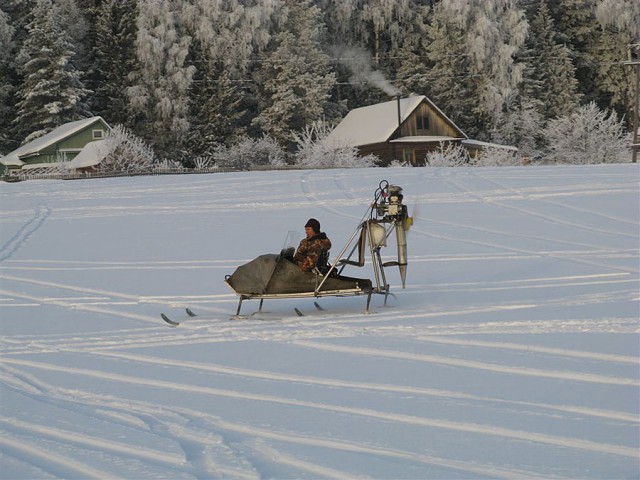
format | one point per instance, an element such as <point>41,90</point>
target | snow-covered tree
<point>473,47</point>
<point>521,126</point>
<point>620,27</point>
<point>296,75</point>
<point>588,135</point>
<point>126,153</point>
<point>6,88</point>
<point>227,37</point>
<point>76,27</point>
<point>314,149</point>
<point>381,26</point>
<point>372,42</point>
<point>448,155</point>
<point>577,29</point>
<point>51,92</point>
<point>114,55</point>
<point>249,152</point>
<point>159,95</point>
<point>549,75</point>
<point>218,105</point>
<point>496,157</point>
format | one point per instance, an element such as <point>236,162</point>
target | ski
<point>316,304</point>
<point>173,323</point>
<point>169,321</point>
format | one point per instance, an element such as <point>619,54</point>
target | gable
<point>427,120</point>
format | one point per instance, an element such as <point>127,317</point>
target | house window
<point>422,122</point>
<point>97,134</point>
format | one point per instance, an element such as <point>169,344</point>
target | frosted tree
<point>372,41</point>
<point>6,88</point>
<point>448,155</point>
<point>473,45</point>
<point>496,157</point>
<point>588,135</point>
<point>76,27</point>
<point>217,109</point>
<point>114,54</point>
<point>383,27</point>
<point>577,28</point>
<point>227,37</point>
<point>620,27</point>
<point>550,75</point>
<point>521,125</point>
<point>296,75</point>
<point>249,152</point>
<point>125,152</point>
<point>51,92</point>
<point>159,96</point>
<point>453,82</point>
<point>232,31</point>
<point>315,149</point>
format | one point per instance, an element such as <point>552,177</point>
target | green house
<point>60,145</point>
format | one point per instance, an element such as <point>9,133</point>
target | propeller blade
<point>414,215</point>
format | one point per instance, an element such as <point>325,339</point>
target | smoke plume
<point>359,63</point>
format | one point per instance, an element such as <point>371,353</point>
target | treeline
<point>192,77</point>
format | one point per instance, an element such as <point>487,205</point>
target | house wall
<point>412,152</point>
<point>415,153</point>
<point>81,138</point>
<point>437,125</point>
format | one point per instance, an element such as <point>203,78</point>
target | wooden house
<point>62,144</point>
<point>404,129</point>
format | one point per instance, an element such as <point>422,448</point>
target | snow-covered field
<point>512,353</point>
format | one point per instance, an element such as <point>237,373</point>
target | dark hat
<point>313,223</point>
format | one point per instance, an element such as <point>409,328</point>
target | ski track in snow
<point>498,198</point>
<point>192,430</point>
<point>203,444</point>
<point>24,232</point>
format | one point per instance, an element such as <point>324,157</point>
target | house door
<point>409,156</point>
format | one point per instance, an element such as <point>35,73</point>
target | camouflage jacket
<point>310,249</point>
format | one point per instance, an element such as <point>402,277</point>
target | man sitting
<point>312,248</point>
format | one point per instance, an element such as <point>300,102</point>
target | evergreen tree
<point>217,111</point>
<point>577,29</point>
<point>159,95</point>
<point>620,27</point>
<point>19,12</point>
<point>550,75</point>
<point>296,74</point>
<point>473,46</point>
<point>227,37</point>
<point>76,27</point>
<point>521,126</point>
<point>452,84</point>
<point>6,85</point>
<point>115,33</point>
<point>51,92</point>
